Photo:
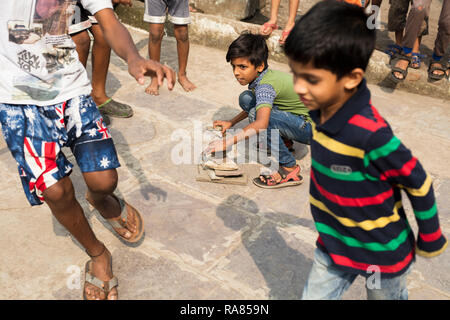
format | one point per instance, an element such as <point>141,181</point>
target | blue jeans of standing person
<point>326,282</point>
<point>289,125</point>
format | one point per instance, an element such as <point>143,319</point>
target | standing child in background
<point>155,14</point>
<point>270,104</point>
<point>45,105</point>
<point>359,166</point>
<point>268,27</point>
<point>101,54</point>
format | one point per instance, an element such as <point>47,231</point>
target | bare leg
<point>83,43</point>
<point>101,54</point>
<point>60,197</point>
<point>182,36</point>
<point>100,187</point>
<point>293,7</point>
<point>274,6</point>
<point>399,37</point>
<point>154,51</point>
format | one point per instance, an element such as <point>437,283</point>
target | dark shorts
<point>398,12</point>
<point>35,136</point>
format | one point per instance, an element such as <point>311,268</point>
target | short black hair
<point>332,35</point>
<point>251,46</point>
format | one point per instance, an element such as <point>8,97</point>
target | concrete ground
<point>203,240</point>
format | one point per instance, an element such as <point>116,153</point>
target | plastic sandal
<point>404,72</point>
<point>392,50</point>
<point>433,67</point>
<point>284,36</point>
<point>416,60</point>
<point>288,179</point>
<point>272,26</point>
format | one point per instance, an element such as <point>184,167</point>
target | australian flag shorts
<point>35,136</point>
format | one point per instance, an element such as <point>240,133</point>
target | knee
<point>82,41</point>
<point>247,100</point>
<point>156,35</point>
<point>62,191</point>
<point>181,34</point>
<point>102,182</point>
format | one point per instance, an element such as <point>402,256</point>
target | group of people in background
<point>358,165</point>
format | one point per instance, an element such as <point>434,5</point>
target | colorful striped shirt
<point>358,171</point>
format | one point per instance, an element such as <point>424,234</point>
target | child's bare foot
<point>101,268</point>
<point>153,88</point>
<point>185,83</point>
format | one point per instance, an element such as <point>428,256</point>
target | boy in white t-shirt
<point>45,105</point>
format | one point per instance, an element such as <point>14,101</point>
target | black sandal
<point>404,72</point>
<point>443,67</point>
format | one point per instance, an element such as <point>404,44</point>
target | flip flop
<point>288,179</point>
<point>105,286</point>
<point>284,36</point>
<point>272,26</point>
<point>121,221</point>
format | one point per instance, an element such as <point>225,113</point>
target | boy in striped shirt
<point>358,166</point>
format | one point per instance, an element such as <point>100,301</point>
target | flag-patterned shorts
<point>35,136</point>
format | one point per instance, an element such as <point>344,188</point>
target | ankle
<point>98,251</point>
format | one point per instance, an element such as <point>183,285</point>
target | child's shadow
<point>285,270</point>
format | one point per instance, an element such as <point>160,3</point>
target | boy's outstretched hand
<point>224,124</point>
<point>140,67</point>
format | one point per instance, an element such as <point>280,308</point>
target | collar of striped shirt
<point>351,107</point>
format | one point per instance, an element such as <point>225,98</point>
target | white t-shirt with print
<point>38,61</point>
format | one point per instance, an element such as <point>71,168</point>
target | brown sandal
<point>121,221</point>
<point>105,286</point>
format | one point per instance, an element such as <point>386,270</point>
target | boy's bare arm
<point>119,39</point>
<point>261,123</point>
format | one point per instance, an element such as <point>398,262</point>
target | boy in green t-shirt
<point>270,104</point>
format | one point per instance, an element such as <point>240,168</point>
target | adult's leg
<point>182,36</point>
<point>156,33</point>
<point>293,7</point>
<point>83,43</point>
<point>60,197</point>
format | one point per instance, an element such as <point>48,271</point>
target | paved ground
<point>203,241</point>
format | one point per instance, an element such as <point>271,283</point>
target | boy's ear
<point>261,67</point>
<point>354,78</point>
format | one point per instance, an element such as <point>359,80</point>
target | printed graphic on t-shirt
<point>40,29</point>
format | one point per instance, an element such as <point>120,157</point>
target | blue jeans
<point>288,125</point>
<point>326,282</point>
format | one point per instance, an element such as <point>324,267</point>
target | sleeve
<point>265,96</point>
<point>94,6</point>
<point>389,160</point>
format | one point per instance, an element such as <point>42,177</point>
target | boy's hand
<point>124,2</point>
<point>224,124</point>
<point>139,68</point>
<point>216,146</point>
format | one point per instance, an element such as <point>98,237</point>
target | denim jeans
<point>282,124</point>
<point>326,282</point>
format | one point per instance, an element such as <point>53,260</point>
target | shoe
<point>116,109</point>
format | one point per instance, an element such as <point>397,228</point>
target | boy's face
<point>317,88</point>
<point>244,71</point>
